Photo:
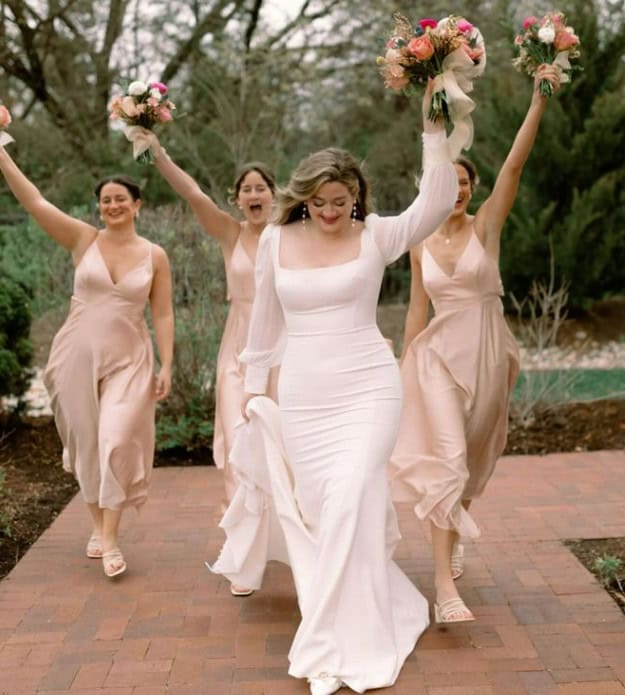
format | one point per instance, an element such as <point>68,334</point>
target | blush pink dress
<point>339,406</point>
<point>100,377</point>
<point>457,376</point>
<point>230,371</point>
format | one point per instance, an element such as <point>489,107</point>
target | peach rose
<point>5,116</point>
<point>393,56</point>
<point>475,53</point>
<point>129,107</point>
<point>395,77</point>
<point>163,114</point>
<point>421,47</point>
<point>565,40</point>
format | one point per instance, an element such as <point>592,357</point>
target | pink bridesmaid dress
<point>230,372</point>
<point>100,377</point>
<point>457,377</point>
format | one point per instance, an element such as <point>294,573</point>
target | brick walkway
<point>168,626</point>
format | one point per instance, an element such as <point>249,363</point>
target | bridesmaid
<point>100,373</point>
<point>318,277</point>
<point>254,190</point>
<point>458,372</point>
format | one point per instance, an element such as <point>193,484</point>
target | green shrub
<point>15,346</point>
<point>185,419</point>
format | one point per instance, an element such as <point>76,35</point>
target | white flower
<point>155,93</point>
<point>547,34</point>
<point>137,88</point>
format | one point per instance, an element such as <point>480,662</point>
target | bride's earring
<point>304,214</point>
<point>354,213</point>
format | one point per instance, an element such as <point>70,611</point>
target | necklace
<point>447,238</point>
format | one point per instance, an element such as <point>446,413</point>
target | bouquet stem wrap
<point>141,140</point>
<point>452,84</point>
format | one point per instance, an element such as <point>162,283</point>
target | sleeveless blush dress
<point>100,377</point>
<point>457,375</point>
<point>230,371</point>
<point>339,402</point>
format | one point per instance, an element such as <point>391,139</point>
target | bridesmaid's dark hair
<point>471,170</point>
<point>261,169</point>
<point>129,184</point>
<point>324,166</point>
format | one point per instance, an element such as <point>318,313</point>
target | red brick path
<point>544,626</point>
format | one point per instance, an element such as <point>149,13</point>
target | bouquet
<point>452,52</point>
<point>144,106</point>
<point>547,40</point>
<point>5,120</point>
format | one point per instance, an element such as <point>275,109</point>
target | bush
<point>15,347</point>
<point>185,419</point>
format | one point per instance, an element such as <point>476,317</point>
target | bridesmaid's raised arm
<point>71,233</point>
<point>217,223</point>
<point>495,209</point>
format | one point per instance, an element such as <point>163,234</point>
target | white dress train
<point>340,399</point>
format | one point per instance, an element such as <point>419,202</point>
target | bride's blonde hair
<point>324,166</point>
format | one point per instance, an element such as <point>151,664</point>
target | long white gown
<point>339,397</point>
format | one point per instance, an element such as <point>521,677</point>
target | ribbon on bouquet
<point>5,138</point>
<point>562,61</point>
<point>141,138</point>
<point>456,80</point>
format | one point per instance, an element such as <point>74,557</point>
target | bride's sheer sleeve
<point>267,334</point>
<point>437,195</point>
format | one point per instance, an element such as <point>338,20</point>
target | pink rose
<point>395,77</point>
<point>518,40</point>
<point>153,102</point>
<point>421,47</point>
<point>162,88</point>
<point>464,26</point>
<point>129,107</point>
<point>163,114</point>
<point>427,23</point>
<point>5,117</point>
<point>565,40</point>
<point>530,21</point>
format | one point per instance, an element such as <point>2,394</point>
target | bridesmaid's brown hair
<point>471,170</point>
<point>129,184</point>
<point>261,169</point>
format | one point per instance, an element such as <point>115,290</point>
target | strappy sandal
<point>113,562</point>
<point>94,546</point>
<point>457,561</point>
<point>454,610</point>
<point>240,591</point>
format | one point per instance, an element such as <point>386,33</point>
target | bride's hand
<point>247,397</point>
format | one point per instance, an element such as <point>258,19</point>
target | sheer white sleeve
<point>435,201</point>
<point>266,335</point>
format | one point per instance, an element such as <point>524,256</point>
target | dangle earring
<point>354,212</point>
<point>304,214</point>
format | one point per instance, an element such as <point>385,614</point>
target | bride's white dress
<point>339,406</point>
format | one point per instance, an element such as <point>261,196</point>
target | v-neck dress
<point>339,399</point>
<point>100,377</point>
<point>457,376</point>
<point>230,371</point>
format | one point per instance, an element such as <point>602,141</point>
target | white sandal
<point>113,562</point>
<point>445,612</point>
<point>94,546</point>
<point>457,561</point>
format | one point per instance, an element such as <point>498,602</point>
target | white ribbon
<point>562,61</point>
<point>456,80</point>
<point>5,138</point>
<point>141,138</point>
